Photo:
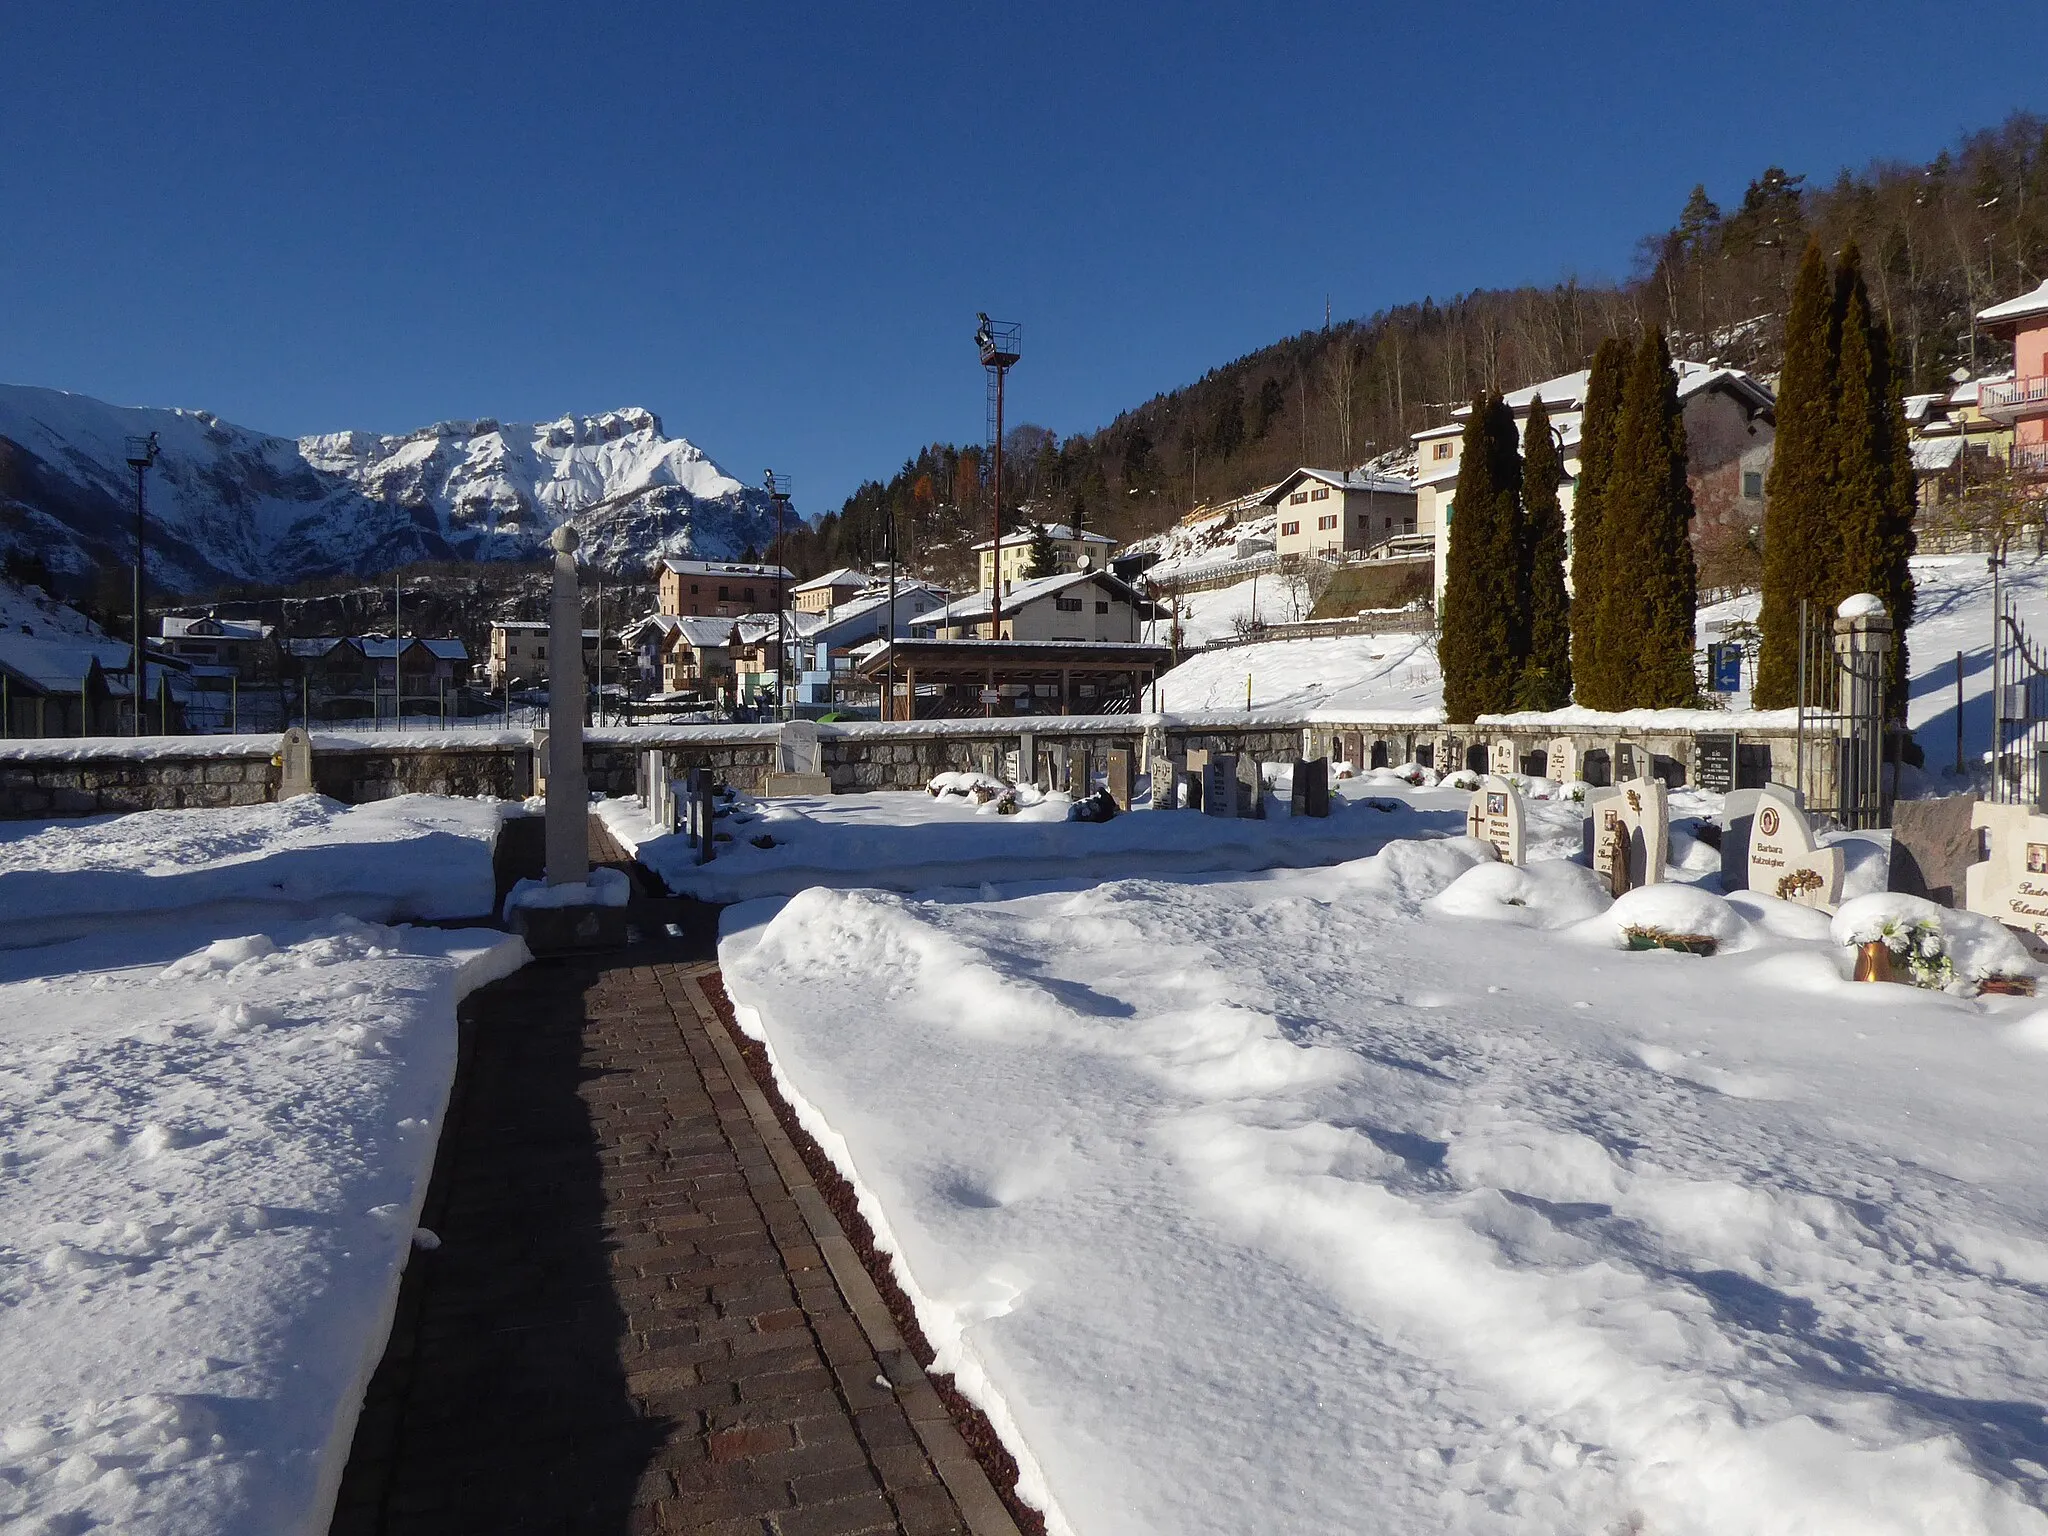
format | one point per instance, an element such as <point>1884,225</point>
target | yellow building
<point>1070,549</point>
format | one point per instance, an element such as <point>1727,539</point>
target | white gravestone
<point>2012,882</point>
<point>799,761</point>
<point>1604,832</point>
<point>1504,760</point>
<point>1784,860</point>
<point>1496,817</point>
<point>1219,784</point>
<point>1561,760</point>
<point>660,807</point>
<point>295,764</point>
<point>1646,817</point>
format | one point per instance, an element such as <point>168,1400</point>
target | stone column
<point>568,811</point>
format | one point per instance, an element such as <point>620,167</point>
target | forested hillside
<point>1940,241</point>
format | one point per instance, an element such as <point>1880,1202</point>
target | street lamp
<point>141,454</point>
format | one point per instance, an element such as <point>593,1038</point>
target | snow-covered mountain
<point>227,503</point>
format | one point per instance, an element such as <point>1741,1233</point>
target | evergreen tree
<point>1650,592</point>
<point>1045,555</point>
<point>1596,457</point>
<point>1799,552</point>
<point>1482,633</point>
<point>1546,680</point>
<point>1874,498</point>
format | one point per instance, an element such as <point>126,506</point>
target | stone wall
<point>358,777</point>
<point>96,785</point>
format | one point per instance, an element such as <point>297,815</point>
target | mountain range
<point>227,504</point>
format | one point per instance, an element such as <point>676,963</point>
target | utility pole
<point>779,494</point>
<point>889,697</point>
<point>141,454</point>
<point>999,342</point>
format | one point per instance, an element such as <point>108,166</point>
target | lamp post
<point>141,455</point>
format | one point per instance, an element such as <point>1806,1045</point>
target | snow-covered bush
<point>1464,778</point>
<point>1672,911</point>
<point>1551,893</point>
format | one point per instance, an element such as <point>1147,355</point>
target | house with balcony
<point>1090,605</point>
<point>722,589</point>
<point>1073,550</point>
<point>2022,401</point>
<point>1730,423</point>
<point>519,654</point>
<point>823,593</point>
<point>1334,513</point>
<point>243,646</point>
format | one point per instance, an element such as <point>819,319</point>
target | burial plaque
<point>1784,859</point>
<point>1561,760</point>
<point>1934,843</point>
<point>1504,760</point>
<point>1714,763</point>
<point>2012,882</point>
<point>1118,776</point>
<point>1495,817</point>
<point>1219,784</point>
<point>1630,762</point>
<point>1167,776</point>
<point>1310,792</point>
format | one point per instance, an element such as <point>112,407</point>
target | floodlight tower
<point>778,492</point>
<point>141,454</point>
<point>999,341</point>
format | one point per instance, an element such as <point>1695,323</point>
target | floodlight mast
<point>999,342</point>
<point>141,455</point>
<point>778,492</point>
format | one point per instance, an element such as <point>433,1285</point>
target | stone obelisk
<point>568,809</point>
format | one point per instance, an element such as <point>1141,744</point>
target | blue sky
<point>773,225</point>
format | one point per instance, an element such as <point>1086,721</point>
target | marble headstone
<point>1934,842</point>
<point>1496,816</point>
<point>2012,882</point>
<point>1784,859</point>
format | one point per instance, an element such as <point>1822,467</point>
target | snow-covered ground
<point>1398,1192</point>
<point>220,1094</point>
<point>1384,676</point>
<point>909,842</point>
<point>415,856</point>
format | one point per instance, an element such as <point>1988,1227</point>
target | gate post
<point>1863,649</point>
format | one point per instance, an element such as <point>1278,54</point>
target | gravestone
<point>799,762</point>
<point>1644,808</point>
<point>1630,762</point>
<point>1219,784</point>
<point>1596,767</point>
<point>1477,756</point>
<point>295,764</point>
<point>1495,817</point>
<point>1167,776</point>
<point>1784,859</point>
<point>1012,767</point>
<point>1118,777</point>
<point>2012,882</point>
<point>1934,843</point>
<point>660,808</point>
<point>1561,760</point>
<point>1714,762</point>
<point>1504,761</point>
<point>1197,770</point>
<point>1251,787</point>
<point>1309,794</point>
<point>1080,775</point>
<point>1425,754</point>
<point>1738,817</point>
<point>1603,835</point>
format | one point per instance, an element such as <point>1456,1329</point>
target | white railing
<point>2011,394</point>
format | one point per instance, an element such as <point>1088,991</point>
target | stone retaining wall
<point>95,786</point>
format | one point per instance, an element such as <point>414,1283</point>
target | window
<point>1287,530</point>
<point>1102,605</point>
<point>1752,485</point>
<point>1297,498</point>
<point>693,589</point>
<point>1320,493</point>
<point>1327,521</point>
<point>1440,451</point>
<point>724,593</point>
<point>748,594</point>
<point>1067,604</point>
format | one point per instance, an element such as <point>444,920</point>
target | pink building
<point>2022,400</point>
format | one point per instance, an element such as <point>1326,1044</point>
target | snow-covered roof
<point>2027,306</point>
<point>869,605</point>
<point>449,649</point>
<point>1036,590</point>
<point>312,647</point>
<point>1918,407</point>
<point>687,567</point>
<point>1971,391</point>
<point>1062,533</point>
<point>1343,480</point>
<point>57,663</point>
<point>845,576</point>
<point>211,628</point>
<point>699,633</point>
<point>1936,453</point>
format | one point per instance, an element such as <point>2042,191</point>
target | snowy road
<point>1262,1203</point>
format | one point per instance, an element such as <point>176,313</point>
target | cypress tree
<point>1482,632</point>
<point>1651,588</point>
<point>1546,681</point>
<point>1874,500</point>
<point>1596,457</point>
<point>1045,556</point>
<point>1799,554</point>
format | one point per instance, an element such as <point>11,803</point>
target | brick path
<point>642,1316</point>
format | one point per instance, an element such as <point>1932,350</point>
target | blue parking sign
<point>1724,666</point>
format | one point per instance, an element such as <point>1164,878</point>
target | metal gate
<point>2019,711</point>
<point>1840,744</point>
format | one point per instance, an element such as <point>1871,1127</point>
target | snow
<point>898,841</point>
<point>415,856</point>
<point>1250,1202</point>
<point>1376,676</point>
<point>220,1094</point>
<point>604,888</point>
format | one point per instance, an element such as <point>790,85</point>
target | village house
<point>519,654</point>
<point>2021,402</point>
<point>1333,513</point>
<point>1073,550</point>
<point>244,646</point>
<point>1089,605</point>
<point>1730,421</point>
<point>719,588</point>
<point>822,593</point>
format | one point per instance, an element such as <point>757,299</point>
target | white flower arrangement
<point>1917,946</point>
